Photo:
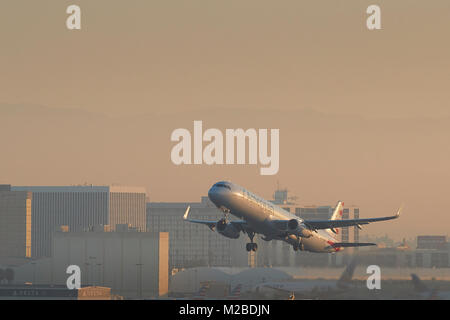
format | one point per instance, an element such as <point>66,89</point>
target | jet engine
<point>294,227</point>
<point>227,229</point>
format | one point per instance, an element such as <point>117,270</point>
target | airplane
<point>427,293</point>
<point>313,288</point>
<point>259,216</point>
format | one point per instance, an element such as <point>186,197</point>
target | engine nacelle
<point>294,227</point>
<point>227,229</point>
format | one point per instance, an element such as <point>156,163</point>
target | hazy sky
<point>363,115</point>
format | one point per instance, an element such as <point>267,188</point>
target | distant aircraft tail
<point>419,286</point>
<point>337,215</point>
<point>347,275</point>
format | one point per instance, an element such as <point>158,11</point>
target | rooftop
<point>81,188</point>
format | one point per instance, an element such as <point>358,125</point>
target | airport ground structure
<point>132,264</point>
<point>54,292</point>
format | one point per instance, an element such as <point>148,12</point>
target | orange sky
<point>98,105</point>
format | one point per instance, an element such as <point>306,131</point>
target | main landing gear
<point>251,246</point>
<point>298,246</point>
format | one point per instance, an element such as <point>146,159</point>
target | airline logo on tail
<point>337,215</point>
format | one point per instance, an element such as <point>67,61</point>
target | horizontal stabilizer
<point>352,244</point>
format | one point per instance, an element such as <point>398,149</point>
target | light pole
<point>33,263</point>
<point>98,281</point>
<point>92,271</point>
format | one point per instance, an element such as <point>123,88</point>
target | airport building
<point>15,223</point>
<point>432,251</point>
<point>132,264</point>
<point>193,245</point>
<point>47,292</point>
<point>80,208</point>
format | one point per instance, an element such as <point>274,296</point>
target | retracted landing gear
<point>251,246</point>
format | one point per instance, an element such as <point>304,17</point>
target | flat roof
<point>90,188</point>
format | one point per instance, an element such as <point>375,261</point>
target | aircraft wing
<point>332,224</point>
<point>239,224</point>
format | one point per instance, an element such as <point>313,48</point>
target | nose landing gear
<point>226,212</point>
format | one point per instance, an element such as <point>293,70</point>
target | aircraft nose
<point>217,195</point>
<point>213,195</point>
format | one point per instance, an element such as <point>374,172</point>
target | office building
<point>193,245</point>
<point>80,208</point>
<point>15,223</point>
<point>433,251</point>
<point>132,264</point>
<point>356,229</point>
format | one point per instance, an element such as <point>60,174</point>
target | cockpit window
<point>221,185</point>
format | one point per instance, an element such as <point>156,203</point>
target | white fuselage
<point>262,215</point>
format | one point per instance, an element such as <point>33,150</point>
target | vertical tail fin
<point>419,286</point>
<point>337,214</point>
<point>347,275</point>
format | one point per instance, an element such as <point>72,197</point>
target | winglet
<point>186,213</point>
